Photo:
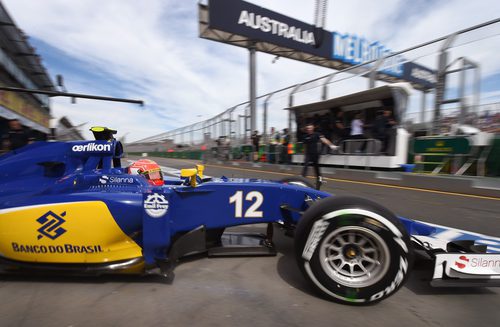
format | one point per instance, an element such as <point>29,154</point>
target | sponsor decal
<point>275,27</point>
<point>156,205</point>
<point>51,228</point>
<point>115,180</point>
<point>91,147</point>
<point>51,225</point>
<point>357,50</point>
<point>403,268</point>
<point>66,248</point>
<point>315,236</point>
<point>464,262</point>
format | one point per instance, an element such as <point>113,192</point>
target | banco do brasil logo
<point>51,225</point>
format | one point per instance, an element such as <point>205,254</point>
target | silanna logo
<point>488,262</point>
<point>91,147</point>
<point>104,179</point>
<point>51,225</point>
<point>462,262</point>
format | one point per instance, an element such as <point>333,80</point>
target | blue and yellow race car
<point>71,207</point>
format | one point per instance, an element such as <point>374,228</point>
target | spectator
<point>255,141</point>
<point>16,137</point>
<point>274,136</point>
<point>285,141</point>
<point>311,154</point>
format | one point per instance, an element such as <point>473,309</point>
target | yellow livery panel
<point>74,232</point>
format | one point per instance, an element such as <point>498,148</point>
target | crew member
<point>16,137</point>
<point>255,141</point>
<point>357,131</point>
<point>311,140</point>
<point>382,127</point>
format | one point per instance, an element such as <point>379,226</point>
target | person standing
<point>255,142</point>
<point>285,141</point>
<point>16,137</point>
<point>381,128</point>
<point>339,131</point>
<point>311,153</point>
<point>357,130</point>
<point>274,141</point>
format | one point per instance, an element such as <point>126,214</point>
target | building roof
<point>16,45</point>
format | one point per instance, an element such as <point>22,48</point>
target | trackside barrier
<point>363,147</point>
<point>439,154</point>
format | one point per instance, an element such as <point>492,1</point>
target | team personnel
<point>357,131</point>
<point>311,141</point>
<point>16,137</point>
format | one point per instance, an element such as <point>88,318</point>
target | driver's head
<point>149,169</point>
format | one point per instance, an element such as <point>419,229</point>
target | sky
<point>150,50</point>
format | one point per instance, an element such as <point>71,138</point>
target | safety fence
<point>233,122</point>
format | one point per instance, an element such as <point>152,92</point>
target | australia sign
<point>253,24</point>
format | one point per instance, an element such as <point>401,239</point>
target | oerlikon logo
<point>91,147</point>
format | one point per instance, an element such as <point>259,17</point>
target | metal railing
<point>234,121</point>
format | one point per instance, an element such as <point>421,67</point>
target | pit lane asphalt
<point>261,291</point>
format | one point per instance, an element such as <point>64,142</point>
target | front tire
<point>353,250</point>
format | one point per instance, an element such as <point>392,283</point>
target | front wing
<point>461,258</point>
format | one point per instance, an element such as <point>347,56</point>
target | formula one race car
<point>71,207</point>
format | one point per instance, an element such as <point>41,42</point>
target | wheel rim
<point>354,256</point>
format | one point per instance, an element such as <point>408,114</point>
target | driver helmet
<point>149,169</point>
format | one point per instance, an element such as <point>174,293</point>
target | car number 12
<point>253,211</point>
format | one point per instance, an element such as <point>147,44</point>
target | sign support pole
<point>253,89</point>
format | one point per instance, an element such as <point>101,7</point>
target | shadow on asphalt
<point>287,269</point>
<point>418,282</point>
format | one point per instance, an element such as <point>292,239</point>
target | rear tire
<point>352,250</point>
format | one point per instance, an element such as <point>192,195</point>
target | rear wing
<point>57,159</point>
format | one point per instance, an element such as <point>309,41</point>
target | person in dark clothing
<point>311,153</point>
<point>255,141</point>
<point>285,157</point>
<point>339,131</point>
<point>16,137</point>
<point>381,128</point>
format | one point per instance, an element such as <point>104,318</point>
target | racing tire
<point>352,250</point>
<point>297,180</point>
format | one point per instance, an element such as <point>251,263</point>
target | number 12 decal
<point>253,211</point>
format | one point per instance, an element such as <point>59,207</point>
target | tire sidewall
<point>375,218</point>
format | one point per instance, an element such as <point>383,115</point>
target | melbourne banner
<point>262,25</point>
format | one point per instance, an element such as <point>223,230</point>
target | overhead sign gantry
<point>250,26</point>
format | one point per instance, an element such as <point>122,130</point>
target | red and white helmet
<point>149,169</point>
